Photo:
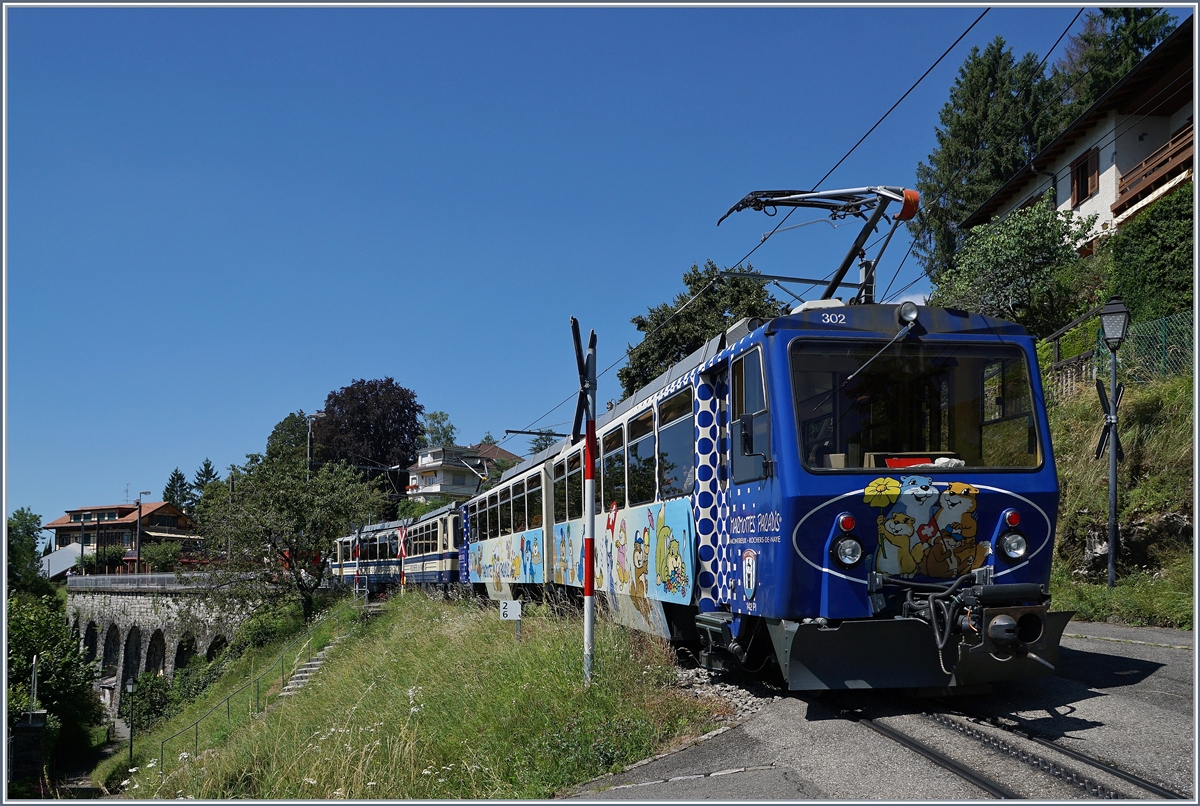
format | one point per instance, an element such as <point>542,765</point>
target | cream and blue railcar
<point>424,550</point>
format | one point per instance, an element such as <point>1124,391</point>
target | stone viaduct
<point>135,623</point>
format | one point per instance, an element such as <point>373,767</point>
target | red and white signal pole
<point>585,409</point>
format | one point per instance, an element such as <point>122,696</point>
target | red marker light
<point>846,523</point>
<point>1012,518</point>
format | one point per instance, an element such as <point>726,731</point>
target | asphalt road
<point>1122,694</point>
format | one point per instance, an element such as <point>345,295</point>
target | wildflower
<point>370,783</point>
<point>151,763</point>
<point>125,782</point>
<point>184,756</point>
<point>133,769</point>
<point>310,781</point>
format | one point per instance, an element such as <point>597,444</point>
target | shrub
<point>1152,258</point>
<point>161,556</point>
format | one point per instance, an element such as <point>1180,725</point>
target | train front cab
<point>889,500</point>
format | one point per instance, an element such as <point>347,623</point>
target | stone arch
<point>91,637</point>
<point>112,652</point>
<point>133,654</point>
<point>156,654</point>
<point>216,648</point>
<point>184,651</point>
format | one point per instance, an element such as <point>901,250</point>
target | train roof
<point>386,525</point>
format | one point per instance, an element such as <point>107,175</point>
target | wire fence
<point>1157,349</point>
<point>1152,350</point>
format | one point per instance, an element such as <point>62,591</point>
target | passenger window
<point>493,515</point>
<point>518,506</point>
<point>560,492</point>
<point>505,513</point>
<point>534,501</point>
<point>750,425</point>
<point>639,466</point>
<point>676,446</point>
<point>614,469</point>
<point>574,487</point>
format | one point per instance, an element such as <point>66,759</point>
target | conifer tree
<point>177,490</point>
<point>1000,113</point>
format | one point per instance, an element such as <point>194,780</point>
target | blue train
<point>862,493</point>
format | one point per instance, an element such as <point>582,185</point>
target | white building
<point>1131,147</point>
<point>453,470</point>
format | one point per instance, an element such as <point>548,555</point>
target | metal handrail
<point>195,726</point>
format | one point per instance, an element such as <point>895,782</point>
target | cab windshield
<point>922,405</point>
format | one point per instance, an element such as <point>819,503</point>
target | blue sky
<point>217,216</point>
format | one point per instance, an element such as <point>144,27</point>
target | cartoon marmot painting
<point>895,556</point>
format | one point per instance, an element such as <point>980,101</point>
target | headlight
<point>847,551</point>
<point>907,312</point>
<point>1013,545</point>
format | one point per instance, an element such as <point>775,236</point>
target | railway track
<point>1001,760</point>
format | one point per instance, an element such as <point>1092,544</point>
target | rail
<point>254,709</point>
<point>156,582</point>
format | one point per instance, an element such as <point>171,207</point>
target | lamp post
<point>1114,322</point>
<point>130,687</point>
<point>138,566</point>
<point>311,418</point>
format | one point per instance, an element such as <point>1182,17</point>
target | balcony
<point>1173,160</point>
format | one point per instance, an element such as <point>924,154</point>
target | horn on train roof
<point>841,204</point>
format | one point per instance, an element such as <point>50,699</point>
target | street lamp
<point>311,418</point>
<point>130,687</point>
<point>1114,322</point>
<point>138,566</point>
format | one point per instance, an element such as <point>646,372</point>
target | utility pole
<point>138,561</point>
<point>311,418</point>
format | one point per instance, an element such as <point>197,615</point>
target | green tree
<point>1152,258</point>
<point>1111,43</point>
<point>672,335</point>
<point>177,491</point>
<point>288,440</point>
<point>207,473</point>
<point>280,529</point>
<point>439,430</point>
<point>488,439</point>
<point>38,626</point>
<point>24,561</point>
<point>162,556</point>
<point>992,125</point>
<point>542,441</point>
<point>1019,268</point>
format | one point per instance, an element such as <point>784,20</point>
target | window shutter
<point>1093,171</point>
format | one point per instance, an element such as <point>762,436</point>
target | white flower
<point>151,763</point>
<point>310,781</point>
<point>133,769</point>
<point>370,783</point>
<point>184,756</point>
<point>125,782</point>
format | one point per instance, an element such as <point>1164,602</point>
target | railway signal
<point>585,410</point>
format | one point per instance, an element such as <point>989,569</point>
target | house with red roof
<point>89,528</point>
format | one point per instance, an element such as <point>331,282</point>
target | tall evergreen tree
<point>998,116</point>
<point>177,490</point>
<point>204,475</point>
<point>1111,43</point>
<point>670,340</point>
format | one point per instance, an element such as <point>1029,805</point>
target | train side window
<point>373,549</point>
<point>473,521</point>
<point>505,513</point>
<point>455,532</point>
<point>518,506</point>
<point>639,465</point>
<point>614,468</point>
<point>574,486</point>
<point>534,501</point>
<point>676,446</point>
<point>751,443</point>
<point>493,515</point>
<point>560,492</point>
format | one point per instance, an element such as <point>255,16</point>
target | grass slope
<point>438,699</point>
<point>1154,505</point>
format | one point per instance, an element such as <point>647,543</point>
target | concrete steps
<point>307,670</point>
